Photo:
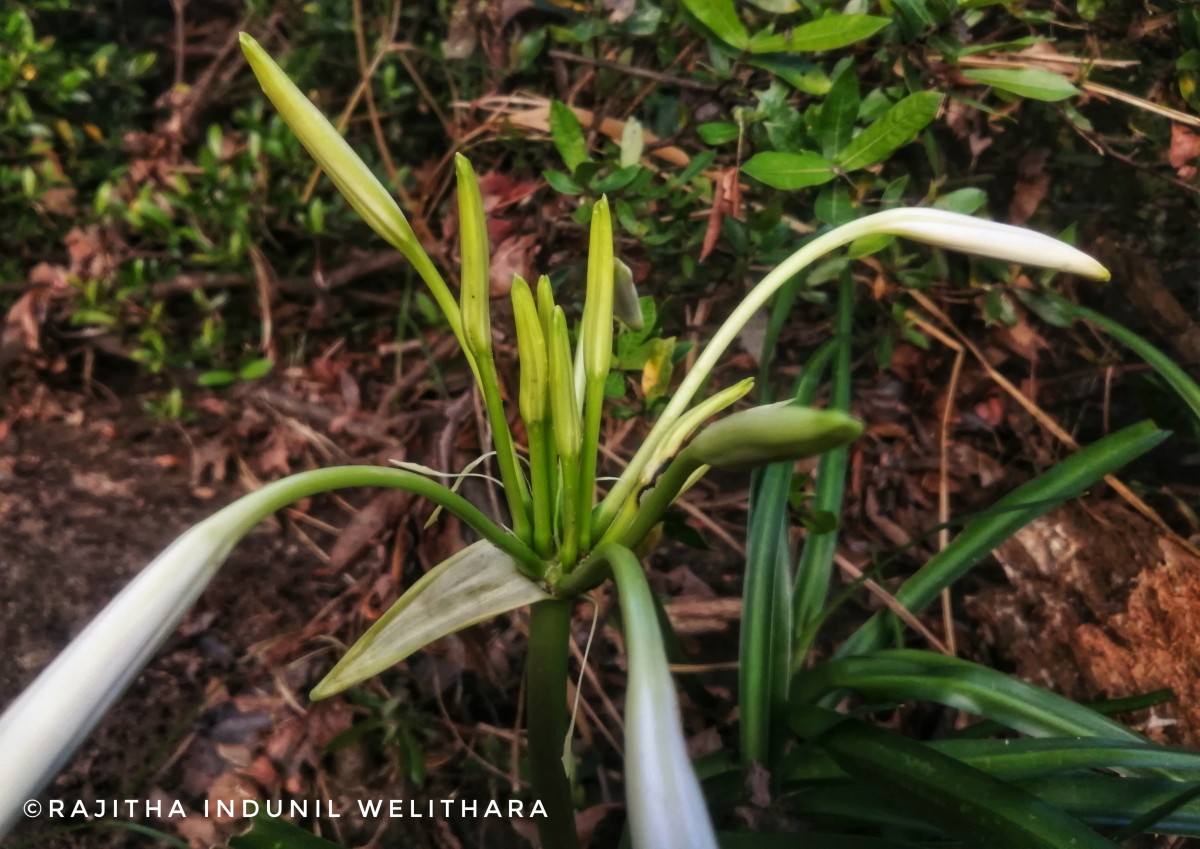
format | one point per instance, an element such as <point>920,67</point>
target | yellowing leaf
<point>656,373</point>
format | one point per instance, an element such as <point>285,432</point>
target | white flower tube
<point>46,724</point>
<point>665,803</point>
<point>41,729</point>
<point>949,230</point>
<point>967,234</point>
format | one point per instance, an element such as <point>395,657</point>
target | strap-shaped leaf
<point>914,675</point>
<point>963,801</point>
<point>479,582</point>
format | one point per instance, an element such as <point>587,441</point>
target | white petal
<point>971,235</point>
<point>41,729</point>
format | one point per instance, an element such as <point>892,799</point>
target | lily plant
<point>561,537</point>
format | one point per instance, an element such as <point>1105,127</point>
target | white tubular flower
<point>666,805</point>
<point>967,234</point>
<point>46,724</point>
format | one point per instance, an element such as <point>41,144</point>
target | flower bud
<point>325,144</point>
<point>770,434</point>
<point>965,233</point>
<point>531,348</point>
<point>476,274</point>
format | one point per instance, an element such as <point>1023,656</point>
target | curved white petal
<point>965,233</point>
<point>41,729</point>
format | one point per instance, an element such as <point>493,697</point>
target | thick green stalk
<point>279,494</point>
<point>546,717</point>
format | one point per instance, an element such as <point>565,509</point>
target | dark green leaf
<point>963,801</point>
<point>562,183</point>
<point>1024,504</point>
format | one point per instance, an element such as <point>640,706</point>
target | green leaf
<point>914,675</point>
<point>1033,83</point>
<point>720,17</point>
<point>1178,379</point>
<point>567,133</point>
<point>255,369</point>
<point>898,126</point>
<point>1109,801</point>
<point>562,183</point>
<point>476,584</point>
<point>789,171</point>
<point>795,70</point>
<point>1027,502</point>
<point>617,180</point>
<point>765,643</point>
<point>271,833</point>
<point>776,7</point>
<point>835,123</point>
<point>833,207</point>
<point>965,802</point>
<point>964,201</point>
<point>718,132</point>
<point>216,378</point>
<point>828,33</point>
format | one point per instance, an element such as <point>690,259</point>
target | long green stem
<point>546,716</point>
<point>721,340</point>
<point>279,494</point>
<point>516,491</point>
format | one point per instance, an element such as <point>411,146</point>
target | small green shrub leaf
<point>721,18</point>
<point>717,132</point>
<point>897,127</point>
<point>835,123</point>
<point>789,171</point>
<point>1033,83</point>
<point>567,133</point>
<point>827,33</point>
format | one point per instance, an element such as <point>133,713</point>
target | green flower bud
<point>323,142</point>
<point>476,265</point>
<point>563,405</point>
<point>598,306</point>
<point>531,347</point>
<point>771,433</point>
